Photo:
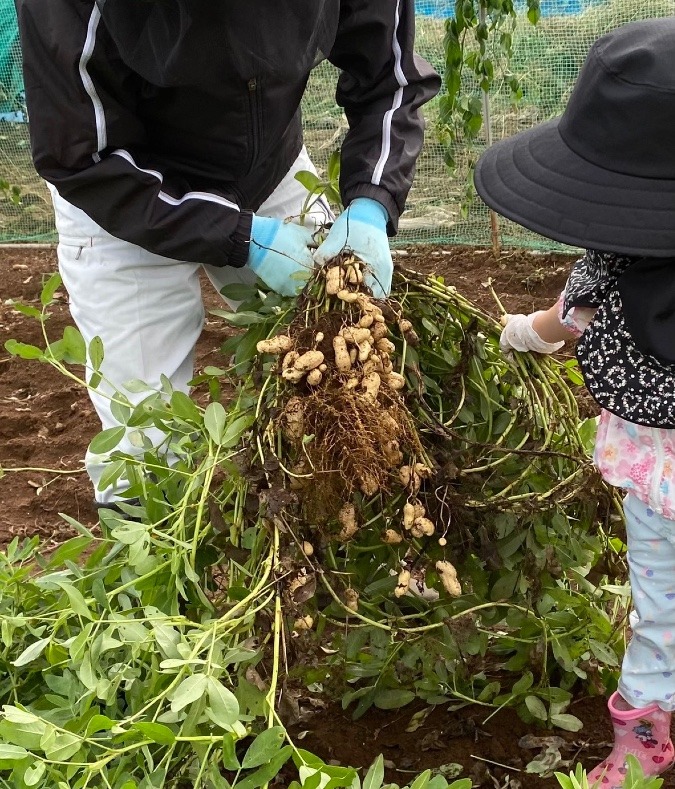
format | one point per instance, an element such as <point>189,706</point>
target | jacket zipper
<point>657,478</point>
<point>255,110</point>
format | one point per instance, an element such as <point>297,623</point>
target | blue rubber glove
<point>278,250</point>
<point>362,229</point>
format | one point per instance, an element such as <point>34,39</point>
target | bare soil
<point>46,423</point>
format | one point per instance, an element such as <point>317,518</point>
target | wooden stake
<point>487,122</point>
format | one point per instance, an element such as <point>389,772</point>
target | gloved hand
<point>277,251</point>
<point>519,335</point>
<point>362,229</point>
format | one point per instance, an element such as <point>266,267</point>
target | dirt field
<point>46,423</point>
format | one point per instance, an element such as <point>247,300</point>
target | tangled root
<point>353,437</point>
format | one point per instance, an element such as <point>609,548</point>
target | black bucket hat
<point>602,176</point>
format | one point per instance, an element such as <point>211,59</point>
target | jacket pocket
<point>254,121</point>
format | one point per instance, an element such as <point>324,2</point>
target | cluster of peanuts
<point>362,350</point>
<point>296,366</point>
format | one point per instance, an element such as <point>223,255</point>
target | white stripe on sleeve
<point>396,103</point>
<point>207,196</point>
<point>85,57</point>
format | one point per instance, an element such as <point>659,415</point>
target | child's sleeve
<point>574,319</point>
<point>591,279</point>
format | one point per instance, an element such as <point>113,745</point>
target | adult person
<point>169,132</point>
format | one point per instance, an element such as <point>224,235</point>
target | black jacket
<point>169,121</point>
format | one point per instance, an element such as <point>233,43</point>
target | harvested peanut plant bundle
<point>384,487</point>
<point>416,424</point>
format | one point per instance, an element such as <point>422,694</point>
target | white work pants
<point>146,309</point>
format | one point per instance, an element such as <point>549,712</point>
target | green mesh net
<point>546,58</point>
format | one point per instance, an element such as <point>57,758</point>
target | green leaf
<point>505,586</point>
<point>34,773</point>
<point>32,652</point>
<point>587,431</point>
<point>236,429</point>
<point>49,289</point>
<point>23,351</point>
<point>267,772</point>
<point>333,196</point>
<point>246,347</point>
<point>12,752</point>
<point>393,699</point>
<point>463,783</point>
<point>27,310</point>
<point>238,291</point>
<point>59,746</point>
<point>189,690</point>
<point>215,418</point>
<point>107,440</point>
<point>533,13</point>
<point>87,674</point>
<point>264,747</point>
<point>375,775</point>
<point>536,707</point>
<point>567,722</point>
<point>216,779</point>
<point>229,754</point>
<point>223,705</point>
<point>523,684</point>
<point>333,169</point>
<point>77,601</point>
<point>167,639</point>
<point>16,715</point>
<point>562,655</point>
<point>136,386</point>
<point>156,732</point>
<point>184,408</point>
<point>99,723</point>
<point>309,180</point>
<point>96,353</point>
<point>129,532</point>
<point>239,318</point>
<point>604,653</point>
<point>70,550</point>
<point>74,349</point>
<point>491,690</point>
<point>214,371</point>
<point>113,471</point>
<point>27,734</point>
<point>573,374</point>
<point>565,781</point>
<point>301,276</point>
<point>120,408</point>
<point>422,781</point>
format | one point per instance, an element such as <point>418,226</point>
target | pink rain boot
<point>645,733</point>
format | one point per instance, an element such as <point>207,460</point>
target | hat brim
<point>536,180</point>
<point>623,380</point>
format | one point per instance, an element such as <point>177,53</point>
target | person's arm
<point>382,86</point>
<point>88,142</point>
<point>545,331</point>
<point>549,327</point>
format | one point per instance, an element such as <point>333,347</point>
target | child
<point>602,177</point>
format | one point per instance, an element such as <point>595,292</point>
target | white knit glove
<point>519,335</point>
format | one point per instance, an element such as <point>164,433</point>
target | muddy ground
<point>46,422</point>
